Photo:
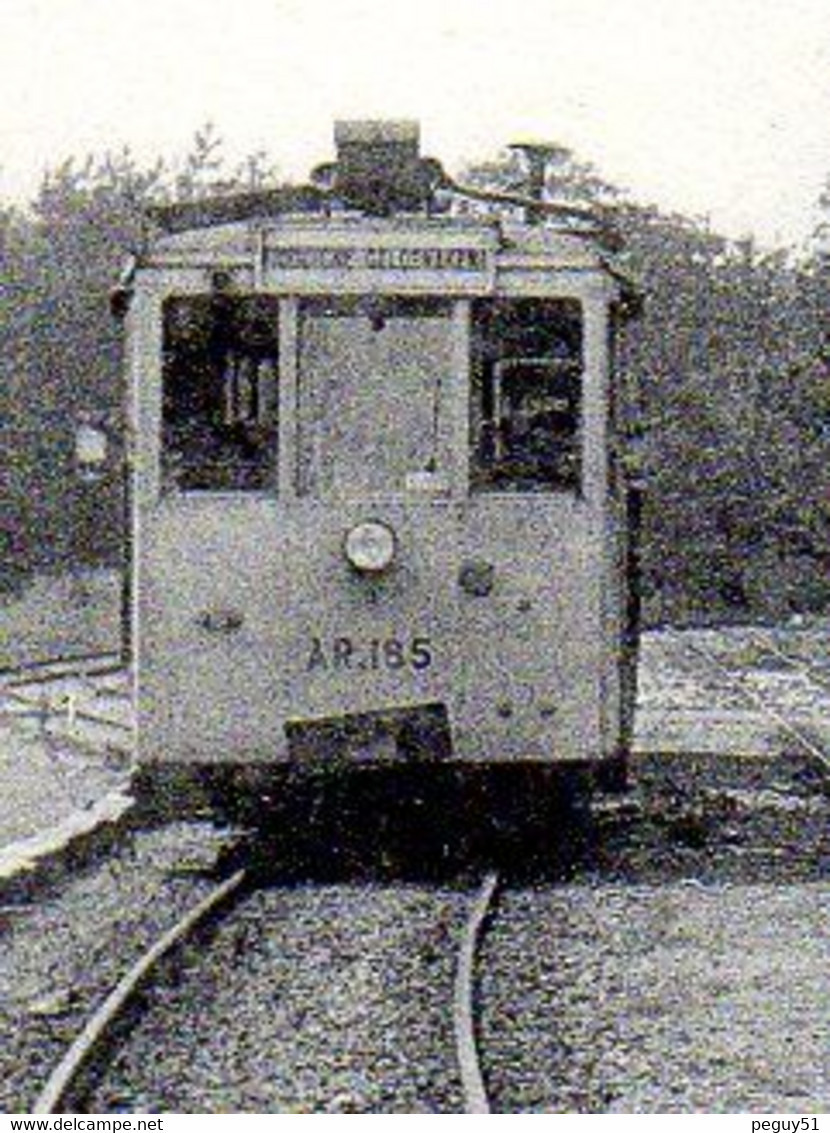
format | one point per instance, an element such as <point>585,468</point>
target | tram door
<point>373,377</point>
<point>378,439</point>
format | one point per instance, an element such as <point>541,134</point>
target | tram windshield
<point>373,381</point>
<point>220,362</point>
<point>526,395</point>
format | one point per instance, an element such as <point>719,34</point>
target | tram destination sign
<point>380,258</point>
<point>424,264</point>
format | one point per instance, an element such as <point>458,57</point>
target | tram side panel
<point>605,487</point>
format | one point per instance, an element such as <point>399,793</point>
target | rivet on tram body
<point>476,577</point>
<point>220,620</point>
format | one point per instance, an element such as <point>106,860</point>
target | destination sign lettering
<point>318,258</point>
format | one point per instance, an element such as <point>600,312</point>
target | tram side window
<point>526,395</point>
<point>219,401</point>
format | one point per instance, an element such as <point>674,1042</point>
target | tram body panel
<point>501,614</point>
<point>247,630</point>
<point>529,678</point>
<point>211,641</point>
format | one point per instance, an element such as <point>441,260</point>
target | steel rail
<point>100,1024</point>
<point>80,664</point>
<point>38,708</point>
<point>37,674</point>
<point>472,1079</point>
<point>760,702</point>
<point>798,664</point>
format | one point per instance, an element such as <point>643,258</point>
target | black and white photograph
<point>414,560</point>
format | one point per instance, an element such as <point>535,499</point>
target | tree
<point>61,349</point>
<point>725,375</point>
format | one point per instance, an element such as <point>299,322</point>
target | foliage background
<point>724,381</point>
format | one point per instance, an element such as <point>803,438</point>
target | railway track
<point>336,969</point>
<point>807,670</point>
<point>60,1085</point>
<point>650,987</point>
<point>341,986</point>
<point>60,690</point>
<point>783,721</point>
<point>808,646</point>
<point>53,668</point>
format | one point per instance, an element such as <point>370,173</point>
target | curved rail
<point>472,1080</point>
<point>100,1024</point>
<point>97,1030</point>
<point>796,733</point>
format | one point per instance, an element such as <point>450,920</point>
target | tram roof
<point>510,243</point>
<point>297,203</point>
<point>381,190</point>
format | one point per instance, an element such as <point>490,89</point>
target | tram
<point>380,516</point>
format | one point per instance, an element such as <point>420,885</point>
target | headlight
<point>370,546</point>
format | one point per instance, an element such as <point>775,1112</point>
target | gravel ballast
<point>681,966</point>
<point>309,999</point>
<point>674,998</point>
<point>63,951</point>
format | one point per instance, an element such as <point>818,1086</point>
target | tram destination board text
<point>379,258</point>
